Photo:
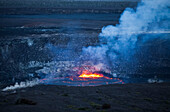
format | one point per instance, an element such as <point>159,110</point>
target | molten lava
<point>86,74</point>
<point>87,78</point>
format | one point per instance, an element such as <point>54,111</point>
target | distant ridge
<point>64,3</point>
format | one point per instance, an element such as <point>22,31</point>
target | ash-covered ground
<point>106,98</point>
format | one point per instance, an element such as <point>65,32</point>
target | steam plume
<point>118,43</point>
<point>22,85</point>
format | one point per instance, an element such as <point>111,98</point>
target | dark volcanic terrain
<point>108,98</point>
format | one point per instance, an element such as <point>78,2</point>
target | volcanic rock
<point>106,106</point>
<point>25,101</point>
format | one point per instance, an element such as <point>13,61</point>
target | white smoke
<point>154,80</point>
<point>22,85</point>
<point>118,42</point>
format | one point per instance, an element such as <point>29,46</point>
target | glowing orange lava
<point>86,74</point>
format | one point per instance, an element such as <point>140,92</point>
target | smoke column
<point>118,44</point>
